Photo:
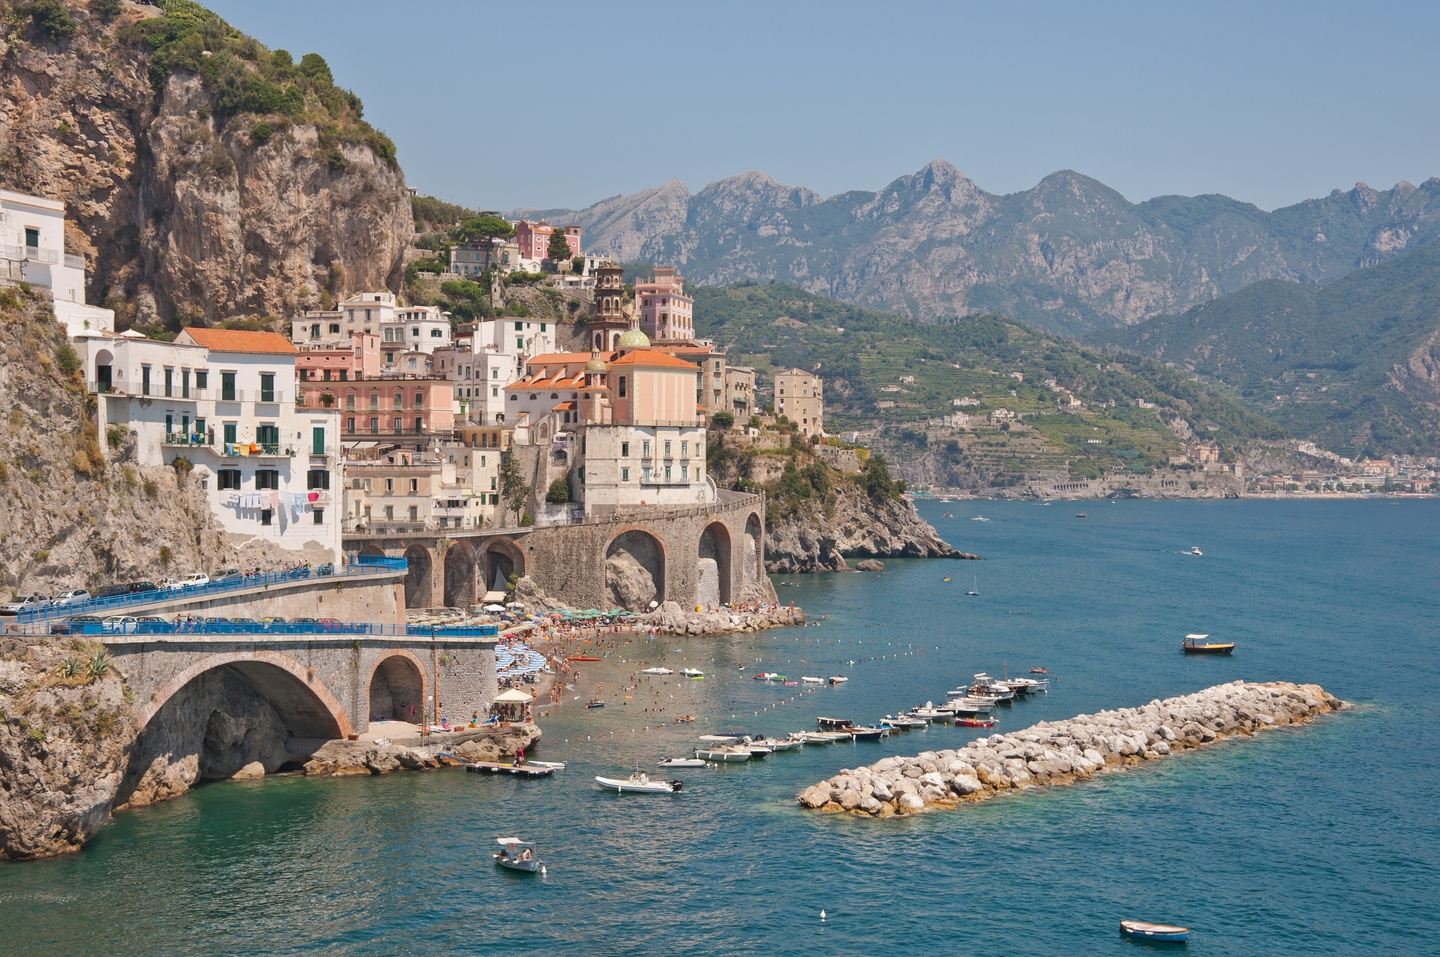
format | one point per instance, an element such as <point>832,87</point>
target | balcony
<point>74,262</point>
<point>254,450</point>
<point>39,254</point>
<point>253,396</point>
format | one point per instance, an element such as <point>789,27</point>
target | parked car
<point>110,591</point>
<point>226,575</point>
<point>172,584</point>
<point>75,625</point>
<point>194,580</point>
<point>137,587</point>
<point>23,603</point>
<point>120,624</point>
<point>329,624</point>
<point>273,620</point>
<point>72,597</point>
<point>243,624</point>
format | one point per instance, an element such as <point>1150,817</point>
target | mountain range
<point>1353,363</point>
<point>1068,255</point>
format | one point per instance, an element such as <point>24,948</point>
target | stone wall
<point>374,599</point>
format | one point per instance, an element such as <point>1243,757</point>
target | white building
<point>492,357</point>
<point>32,249</point>
<point>415,329</point>
<point>364,312</point>
<point>225,401</point>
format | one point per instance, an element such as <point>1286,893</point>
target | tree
<point>559,492</point>
<point>559,249</point>
<point>875,478</point>
<point>723,421</point>
<point>514,490</point>
<point>479,228</point>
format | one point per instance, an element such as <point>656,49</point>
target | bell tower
<point>610,319</point>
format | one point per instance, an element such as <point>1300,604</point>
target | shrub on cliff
<point>51,18</point>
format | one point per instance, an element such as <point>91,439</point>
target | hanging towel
<point>294,508</point>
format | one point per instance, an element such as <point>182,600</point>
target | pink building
<point>390,407</point>
<point>666,313</point>
<point>338,361</point>
<point>534,239</point>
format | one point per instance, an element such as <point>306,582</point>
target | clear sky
<point>499,105</point>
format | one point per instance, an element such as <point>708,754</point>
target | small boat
<point>584,658</point>
<point>518,855</point>
<point>552,765</point>
<point>834,724</point>
<point>979,518</point>
<point>693,673</point>
<point>1144,930</point>
<point>594,703</point>
<point>946,579</point>
<point>931,713</point>
<point>773,745</point>
<point>812,680</point>
<point>902,722</point>
<point>1081,515</point>
<point>657,672</point>
<point>975,722</point>
<point>868,734</point>
<point>682,762</point>
<point>838,679</point>
<point>1195,550</point>
<point>685,719</point>
<point>725,754</point>
<point>1198,644</point>
<point>970,707</point>
<point>975,585</point>
<point>721,738</point>
<point>769,676</point>
<point>757,751</point>
<point>526,770</point>
<point>823,737</point>
<point>638,783</point>
<point>1039,671</point>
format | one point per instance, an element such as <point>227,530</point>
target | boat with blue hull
<point>1155,933</point>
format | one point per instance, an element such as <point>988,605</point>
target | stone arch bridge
<point>321,686</point>
<point>701,554</point>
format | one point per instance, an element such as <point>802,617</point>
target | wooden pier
<point>520,771</point>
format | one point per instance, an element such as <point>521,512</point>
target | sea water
<point>1316,840</point>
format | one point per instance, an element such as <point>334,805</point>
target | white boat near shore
<point>638,783</point>
<point>725,754</point>
<point>811,680</point>
<point>657,672</point>
<point>682,762</point>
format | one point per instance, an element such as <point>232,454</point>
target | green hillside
<point>1353,364</point>
<point>881,369</point>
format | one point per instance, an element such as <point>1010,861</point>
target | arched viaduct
<point>703,554</point>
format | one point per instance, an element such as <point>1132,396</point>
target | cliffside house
<point>666,313</point>
<point>225,401</point>
<point>32,250</point>
<point>799,396</point>
<point>533,239</point>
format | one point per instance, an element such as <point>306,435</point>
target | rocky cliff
<point>72,515</point>
<point>820,535</point>
<point>205,177</point>
<point>1070,254</point>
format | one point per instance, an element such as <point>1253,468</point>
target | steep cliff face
<point>819,536</point>
<point>248,188</point>
<point>74,516</point>
<point>1069,254</point>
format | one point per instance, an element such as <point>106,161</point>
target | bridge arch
<point>460,568</point>
<point>713,572</point>
<point>635,569</point>
<point>418,587</point>
<point>373,549</point>
<point>396,688</point>
<point>307,707</point>
<point>752,561</point>
<point>501,558</point>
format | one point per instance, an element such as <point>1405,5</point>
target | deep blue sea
<point>1318,840</point>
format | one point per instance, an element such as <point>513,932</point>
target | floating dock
<point>519,771</point>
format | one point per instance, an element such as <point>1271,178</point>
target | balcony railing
<point>75,262</point>
<point>39,254</point>
<point>261,396</point>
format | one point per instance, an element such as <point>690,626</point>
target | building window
<point>144,380</point>
<point>169,382</point>
<point>334,327</point>
<point>419,400</point>
<point>389,513</point>
<point>202,378</point>
<point>684,450</point>
<point>399,400</point>
<point>389,485</point>
<point>227,479</point>
<point>395,424</point>
<point>319,516</point>
<point>419,424</point>
<point>267,478</point>
<point>227,387</point>
<point>374,400</point>
<point>519,327</point>
<point>317,479</point>
<point>414,513</point>
<point>374,423</point>
<point>267,387</point>
<point>350,424</point>
<point>414,485</point>
<point>350,401</point>
<point>624,450</point>
<point>317,440</point>
<point>622,387</point>
<point>267,517</point>
<point>667,448</point>
<point>624,474</point>
<point>645,449</point>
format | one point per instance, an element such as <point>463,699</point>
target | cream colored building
<point>799,396</point>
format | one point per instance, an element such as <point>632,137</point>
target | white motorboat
<point>988,687</point>
<point>838,679</point>
<point>824,737</point>
<point>757,751</point>
<point>902,722</point>
<point>518,855</point>
<point>552,765</point>
<point>682,762</point>
<point>969,707</point>
<point>931,713</point>
<point>861,733</point>
<point>638,783</point>
<point>777,744</point>
<point>719,738</point>
<point>811,680</point>
<point>1195,550</point>
<point>693,673</point>
<point>725,754</point>
<point>657,672</point>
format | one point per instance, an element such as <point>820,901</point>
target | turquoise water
<point>1321,840</point>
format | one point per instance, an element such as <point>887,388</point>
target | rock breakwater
<point>671,619</point>
<point>1061,752</point>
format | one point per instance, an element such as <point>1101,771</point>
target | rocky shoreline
<point>1062,752</point>
<point>339,759</point>
<point>671,619</point>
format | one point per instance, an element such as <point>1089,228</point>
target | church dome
<point>596,364</point>
<point>633,339</point>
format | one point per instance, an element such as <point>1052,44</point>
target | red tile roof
<point>652,359</point>
<point>239,340</point>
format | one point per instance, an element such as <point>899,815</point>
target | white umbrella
<point>494,607</point>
